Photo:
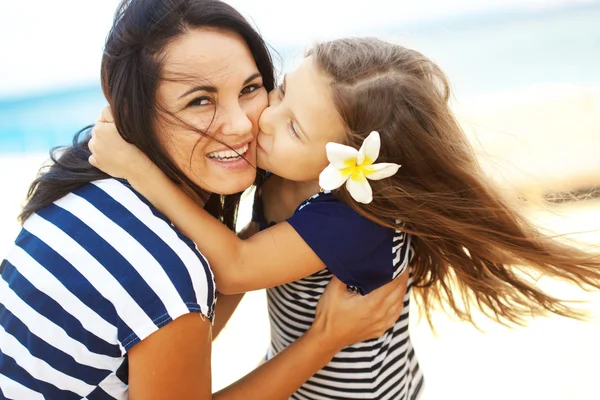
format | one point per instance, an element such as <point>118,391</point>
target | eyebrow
<point>296,118</point>
<point>213,89</point>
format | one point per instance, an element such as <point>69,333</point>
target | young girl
<point>358,215</point>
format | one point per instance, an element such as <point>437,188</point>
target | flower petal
<point>370,148</point>
<point>332,177</point>
<point>381,171</point>
<point>341,156</point>
<point>359,188</point>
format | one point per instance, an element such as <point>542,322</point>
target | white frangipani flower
<point>354,167</point>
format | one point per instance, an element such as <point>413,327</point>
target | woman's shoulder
<point>115,238</point>
<point>103,255</point>
<point>110,208</point>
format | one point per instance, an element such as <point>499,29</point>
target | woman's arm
<point>272,257</point>
<point>226,305</point>
<point>174,362</point>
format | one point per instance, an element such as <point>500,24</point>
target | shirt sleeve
<point>357,251</point>
<point>156,273</point>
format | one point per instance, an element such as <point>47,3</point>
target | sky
<point>47,45</point>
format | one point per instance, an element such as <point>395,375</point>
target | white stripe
<point>400,370</point>
<point>114,387</point>
<point>141,211</point>
<point>14,390</point>
<point>278,343</point>
<point>402,267</point>
<point>278,294</point>
<point>140,259</point>
<point>40,369</point>
<point>51,333</point>
<point>400,366</point>
<point>291,327</point>
<point>47,283</point>
<point>403,382</point>
<point>327,394</point>
<point>313,396</point>
<point>284,333</point>
<point>106,284</point>
<point>298,396</point>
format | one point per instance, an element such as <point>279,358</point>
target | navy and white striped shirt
<point>89,277</point>
<point>364,256</point>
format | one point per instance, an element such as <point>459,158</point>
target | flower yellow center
<point>357,172</point>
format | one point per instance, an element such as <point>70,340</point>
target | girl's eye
<point>250,89</point>
<point>200,101</point>
<point>293,130</point>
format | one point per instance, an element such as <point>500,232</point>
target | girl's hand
<point>112,154</point>
<point>344,317</point>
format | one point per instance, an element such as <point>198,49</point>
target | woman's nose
<point>236,122</point>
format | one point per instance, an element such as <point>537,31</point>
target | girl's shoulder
<point>336,214</point>
<point>360,252</point>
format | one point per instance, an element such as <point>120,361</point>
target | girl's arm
<point>272,257</point>
<point>174,362</point>
<point>228,303</point>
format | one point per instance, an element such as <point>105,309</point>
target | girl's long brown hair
<point>472,247</point>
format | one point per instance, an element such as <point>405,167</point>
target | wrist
<point>325,338</point>
<point>142,173</point>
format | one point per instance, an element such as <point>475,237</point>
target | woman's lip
<point>234,146</point>
<point>244,162</point>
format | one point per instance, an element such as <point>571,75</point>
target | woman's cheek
<point>261,104</point>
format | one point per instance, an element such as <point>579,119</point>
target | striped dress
<point>89,277</point>
<point>365,256</point>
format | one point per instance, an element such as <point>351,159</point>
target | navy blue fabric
<point>357,251</point>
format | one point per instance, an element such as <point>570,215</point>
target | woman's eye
<point>250,89</point>
<point>200,101</point>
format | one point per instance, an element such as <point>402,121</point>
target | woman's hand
<point>112,154</point>
<point>344,317</point>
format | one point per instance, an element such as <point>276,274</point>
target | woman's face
<point>211,82</point>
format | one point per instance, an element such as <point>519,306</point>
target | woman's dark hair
<point>131,71</point>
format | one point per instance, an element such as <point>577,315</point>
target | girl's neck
<point>300,191</point>
<point>281,197</point>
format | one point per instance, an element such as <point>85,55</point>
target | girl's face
<point>300,120</point>
<point>210,81</point>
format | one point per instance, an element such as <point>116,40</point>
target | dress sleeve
<point>356,250</point>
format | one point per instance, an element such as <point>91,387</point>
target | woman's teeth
<point>229,155</point>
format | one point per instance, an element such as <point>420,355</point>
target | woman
<point>102,297</point>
